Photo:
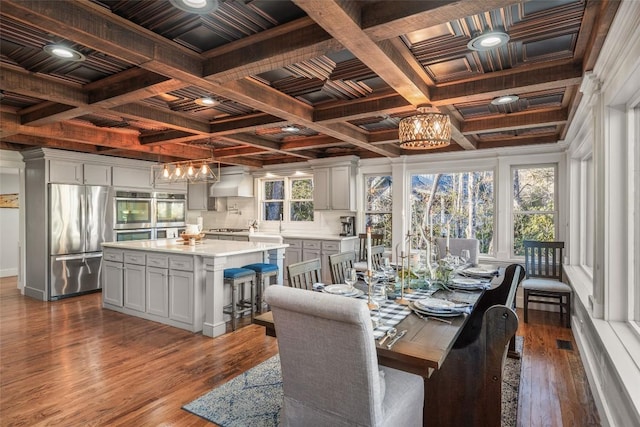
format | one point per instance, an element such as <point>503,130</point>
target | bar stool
<point>263,271</point>
<point>239,277</point>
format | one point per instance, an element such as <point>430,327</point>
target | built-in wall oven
<point>170,210</point>
<point>135,234</point>
<point>133,210</point>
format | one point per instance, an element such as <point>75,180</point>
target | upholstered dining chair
<point>376,239</point>
<point>339,263</point>
<point>330,370</point>
<point>543,265</point>
<point>456,245</point>
<point>304,274</point>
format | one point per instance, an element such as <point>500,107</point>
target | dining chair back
<point>377,257</point>
<point>543,283</point>
<point>304,274</point>
<point>330,371</point>
<point>376,239</point>
<point>339,264</point>
<point>456,245</point>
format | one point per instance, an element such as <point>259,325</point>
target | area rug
<point>254,398</point>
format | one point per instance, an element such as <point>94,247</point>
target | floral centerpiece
<point>443,273</point>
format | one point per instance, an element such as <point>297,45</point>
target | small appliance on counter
<point>348,226</point>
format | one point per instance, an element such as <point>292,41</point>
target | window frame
<point>365,212</point>
<point>556,206</point>
<point>287,200</point>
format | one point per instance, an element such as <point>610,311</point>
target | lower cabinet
<point>181,287</point>
<point>160,288</point>
<point>158,291</point>
<point>112,283</point>
<point>304,250</point>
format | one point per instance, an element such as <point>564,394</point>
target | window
<point>534,205</point>
<point>287,199</point>
<point>301,204</point>
<point>378,206</point>
<point>462,202</point>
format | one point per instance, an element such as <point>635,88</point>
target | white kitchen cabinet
<point>334,188</point>
<point>132,177</point>
<point>181,289</point>
<point>328,248</point>
<point>134,286</point>
<point>112,282</point>
<point>158,291</point>
<point>64,172</point>
<point>197,196</point>
<point>135,277</point>
<point>95,174</point>
<point>180,186</point>
<point>292,255</point>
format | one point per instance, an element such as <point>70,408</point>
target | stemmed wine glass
<point>350,277</point>
<point>465,256</point>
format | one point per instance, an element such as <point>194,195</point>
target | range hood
<point>233,185</point>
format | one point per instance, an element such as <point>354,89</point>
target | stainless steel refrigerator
<point>79,221</point>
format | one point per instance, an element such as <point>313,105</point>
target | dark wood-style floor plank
<point>70,362</point>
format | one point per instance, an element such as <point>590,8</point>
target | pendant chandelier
<point>426,130</point>
<point>202,170</point>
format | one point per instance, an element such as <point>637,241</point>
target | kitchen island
<point>177,284</point>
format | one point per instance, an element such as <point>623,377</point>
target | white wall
<point>9,224</point>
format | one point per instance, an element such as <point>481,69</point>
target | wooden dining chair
<point>330,370</point>
<point>304,274</point>
<point>339,263</point>
<point>377,257</point>
<point>543,265</point>
<point>376,239</point>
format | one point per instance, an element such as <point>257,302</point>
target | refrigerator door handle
<point>70,257</point>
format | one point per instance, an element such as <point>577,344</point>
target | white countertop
<point>205,248</point>
<point>285,234</point>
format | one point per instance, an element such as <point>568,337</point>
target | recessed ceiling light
<point>196,6</point>
<point>506,99</point>
<point>488,41</point>
<point>63,52</point>
<point>290,128</point>
<point>206,101</point>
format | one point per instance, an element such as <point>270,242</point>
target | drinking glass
<point>465,256</point>
<point>350,277</point>
<point>378,297</point>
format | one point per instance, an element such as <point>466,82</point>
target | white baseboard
<point>8,272</point>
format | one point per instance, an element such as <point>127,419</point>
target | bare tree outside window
<point>462,202</point>
<point>534,205</point>
<point>301,200</point>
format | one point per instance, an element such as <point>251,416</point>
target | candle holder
<point>402,300</point>
<point>369,280</point>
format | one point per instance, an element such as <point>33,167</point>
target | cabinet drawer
<point>115,256</point>
<point>294,243</point>
<point>134,258</point>
<point>330,246</point>
<point>181,263</point>
<point>311,244</point>
<point>159,261</point>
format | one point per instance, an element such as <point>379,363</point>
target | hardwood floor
<point>72,363</point>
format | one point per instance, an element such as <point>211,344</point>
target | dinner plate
<point>435,305</point>
<point>424,311</point>
<point>344,290</point>
<point>480,271</point>
<point>466,283</point>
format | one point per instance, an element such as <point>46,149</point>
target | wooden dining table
<point>461,361</point>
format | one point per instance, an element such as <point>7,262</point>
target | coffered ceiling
<point>291,80</point>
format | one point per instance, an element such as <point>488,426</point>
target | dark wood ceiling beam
<point>168,137</point>
<point>385,20</point>
<point>129,86</point>
<point>518,142</point>
<point>516,121</point>
<point>260,143</point>
<point>508,83</point>
<point>342,22</point>
<point>36,86</point>
<point>163,118</point>
<point>387,103</point>
<point>246,123</point>
<point>277,47</point>
<point>42,141</point>
<point>222,153</point>
<point>309,143</point>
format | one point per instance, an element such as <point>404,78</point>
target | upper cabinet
<point>70,172</point>
<point>334,187</point>
<point>197,196</point>
<point>132,177</point>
